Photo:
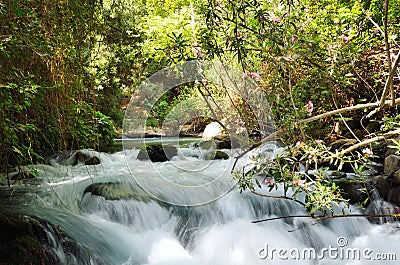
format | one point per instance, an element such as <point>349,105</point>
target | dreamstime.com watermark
<point>338,252</point>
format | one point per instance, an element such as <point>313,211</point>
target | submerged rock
<point>73,158</point>
<point>216,155</point>
<point>92,161</point>
<point>157,152</point>
<point>117,191</point>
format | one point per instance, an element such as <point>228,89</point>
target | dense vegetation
<point>68,69</point>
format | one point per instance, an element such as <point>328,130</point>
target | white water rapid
<point>135,228</point>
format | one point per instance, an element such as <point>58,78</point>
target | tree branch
<point>389,80</point>
<point>277,197</point>
<point>389,61</point>
<point>323,217</point>
<point>355,107</point>
<point>364,143</point>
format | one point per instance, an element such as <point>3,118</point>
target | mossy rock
<point>207,145</point>
<point>22,241</point>
<point>25,240</point>
<point>117,191</point>
<point>73,158</point>
<point>157,152</point>
<point>217,155</point>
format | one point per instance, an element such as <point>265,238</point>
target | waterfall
<point>127,225</point>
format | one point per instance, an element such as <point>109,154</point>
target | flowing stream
<point>139,229</point>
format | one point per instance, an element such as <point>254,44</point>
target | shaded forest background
<point>69,68</point>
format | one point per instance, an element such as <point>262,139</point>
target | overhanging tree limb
<point>355,107</point>
<point>364,143</point>
<point>377,104</point>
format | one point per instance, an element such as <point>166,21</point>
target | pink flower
<point>368,152</point>
<point>276,19</point>
<point>293,39</point>
<point>198,54</point>
<point>344,37</point>
<point>299,182</point>
<point>318,141</point>
<point>300,144</point>
<point>310,107</point>
<point>254,75</point>
<point>310,44</point>
<point>376,32</point>
<point>269,181</point>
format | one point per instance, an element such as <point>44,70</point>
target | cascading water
<point>126,225</point>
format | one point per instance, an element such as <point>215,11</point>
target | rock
<point>217,155</point>
<point>22,241</point>
<point>207,145</point>
<point>73,158</point>
<point>218,143</point>
<point>394,178</point>
<point>387,191</point>
<point>213,130</point>
<point>157,152</point>
<point>383,186</point>
<point>92,161</point>
<point>117,191</point>
<point>30,240</point>
<point>224,143</point>
<point>354,191</point>
<point>391,164</point>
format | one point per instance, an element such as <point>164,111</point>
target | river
<point>166,222</point>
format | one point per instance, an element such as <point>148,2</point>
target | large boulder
<point>157,152</point>
<point>214,130</point>
<point>387,191</point>
<point>117,191</point>
<point>391,165</point>
<point>31,240</point>
<point>23,240</point>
